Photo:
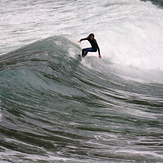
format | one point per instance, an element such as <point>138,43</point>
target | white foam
<point>134,37</point>
<point>139,153</point>
<point>34,157</point>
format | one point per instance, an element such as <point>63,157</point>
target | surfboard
<point>78,57</point>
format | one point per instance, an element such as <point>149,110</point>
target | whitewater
<point>54,108</point>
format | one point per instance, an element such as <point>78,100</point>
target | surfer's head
<point>91,36</point>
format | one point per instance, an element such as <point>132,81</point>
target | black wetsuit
<point>94,47</point>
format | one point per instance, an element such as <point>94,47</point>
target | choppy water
<point>54,108</point>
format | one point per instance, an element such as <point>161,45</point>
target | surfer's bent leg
<point>86,50</point>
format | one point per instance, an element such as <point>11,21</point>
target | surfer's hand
<point>100,56</point>
<point>79,41</point>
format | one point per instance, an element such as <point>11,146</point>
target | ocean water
<point>54,108</point>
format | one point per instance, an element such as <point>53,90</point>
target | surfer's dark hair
<point>91,35</point>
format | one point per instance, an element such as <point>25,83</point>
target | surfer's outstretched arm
<point>83,39</point>
<point>99,54</point>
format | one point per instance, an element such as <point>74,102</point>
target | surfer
<point>94,45</point>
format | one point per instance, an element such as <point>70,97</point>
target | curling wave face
<point>55,108</point>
